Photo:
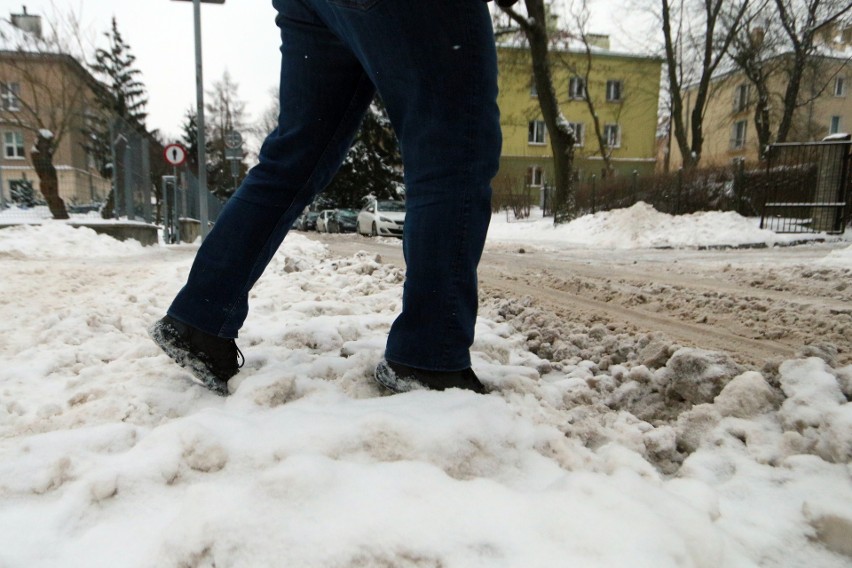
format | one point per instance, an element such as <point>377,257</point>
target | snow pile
<point>839,258</point>
<point>596,448</point>
<point>639,226</point>
<point>55,240</point>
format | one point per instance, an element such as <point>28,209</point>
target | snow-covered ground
<point>111,456</point>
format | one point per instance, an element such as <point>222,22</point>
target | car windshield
<point>312,215</point>
<point>347,214</point>
<point>391,206</point>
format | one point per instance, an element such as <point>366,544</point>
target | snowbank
<point>111,456</point>
<point>639,226</point>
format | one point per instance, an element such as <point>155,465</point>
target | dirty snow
<point>643,454</point>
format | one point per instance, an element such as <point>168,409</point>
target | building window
<point>834,125</point>
<point>533,88</point>
<point>741,94</point>
<point>577,88</point>
<point>579,133</point>
<point>536,132</point>
<point>13,145</point>
<point>738,135</point>
<point>535,176</point>
<point>612,135</point>
<point>10,96</point>
<point>840,86</point>
<point>613,90</point>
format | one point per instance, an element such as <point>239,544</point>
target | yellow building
<point>624,89</point>
<point>51,92</point>
<point>729,127</point>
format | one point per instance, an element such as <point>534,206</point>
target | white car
<point>322,220</point>
<point>381,218</point>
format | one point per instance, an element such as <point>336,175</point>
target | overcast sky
<point>239,36</point>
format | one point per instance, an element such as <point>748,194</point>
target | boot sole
<point>385,376</point>
<point>167,339</point>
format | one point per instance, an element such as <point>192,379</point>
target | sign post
<point>234,153</point>
<point>176,155</point>
<point>199,102</point>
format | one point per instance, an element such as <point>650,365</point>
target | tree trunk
<point>791,97</point>
<point>42,157</point>
<point>561,136</point>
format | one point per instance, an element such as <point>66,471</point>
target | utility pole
<point>199,101</point>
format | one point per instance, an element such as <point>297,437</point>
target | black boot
<point>213,360</point>
<point>400,378</point>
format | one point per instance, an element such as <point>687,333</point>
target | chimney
<point>28,23</point>
<point>598,40</point>
<point>757,36</point>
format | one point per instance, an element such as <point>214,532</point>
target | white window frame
<point>535,175</point>
<point>739,135</point>
<point>13,145</point>
<point>579,133</point>
<point>742,93</point>
<point>840,86</point>
<point>536,133</point>
<point>610,140</point>
<point>834,124</point>
<point>617,96</point>
<point>10,94</point>
<point>577,88</point>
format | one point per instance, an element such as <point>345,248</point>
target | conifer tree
<point>372,166</point>
<point>126,96</point>
<point>122,96</point>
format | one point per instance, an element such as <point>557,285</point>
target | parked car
<point>322,220</point>
<point>343,221</point>
<point>382,217</point>
<point>306,221</point>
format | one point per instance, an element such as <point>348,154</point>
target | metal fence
<point>717,189</point>
<point>806,188</point>
<point>179,206</point>
<point>131,179</point>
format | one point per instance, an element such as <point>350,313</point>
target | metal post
<point>129,210</point>
<point>635,176</point>
<point>147,212</point>
<point>199,101</point>
<point>594,179</point>
<point>114,173</point>
<point>2,190</point>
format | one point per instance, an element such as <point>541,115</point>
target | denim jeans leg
<point>324,94</point>
<point>434,64</point>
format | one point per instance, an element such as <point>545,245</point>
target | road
<point>756,305</point>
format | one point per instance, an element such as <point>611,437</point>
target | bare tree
<point>226,112</point>
<point>777,44</point>
<point>802,20</point>
<point>562,137</point>
<point>46,93</point>
<point>715,22</point>
<point>582,68</point>
<point>753,50</point>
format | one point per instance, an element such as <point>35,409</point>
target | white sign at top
<point>175,154</point>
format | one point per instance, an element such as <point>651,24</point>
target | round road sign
<point>233,139</point>
<point>175,154</point>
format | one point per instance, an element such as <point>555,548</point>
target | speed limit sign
<point>175,154</point>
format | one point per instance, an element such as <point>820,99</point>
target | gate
<point>807,187</point>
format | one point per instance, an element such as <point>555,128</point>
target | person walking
<point>434,65</point>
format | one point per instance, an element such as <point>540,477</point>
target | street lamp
<point>199,102</point>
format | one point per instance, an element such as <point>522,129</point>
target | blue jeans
<point>434,64</point>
